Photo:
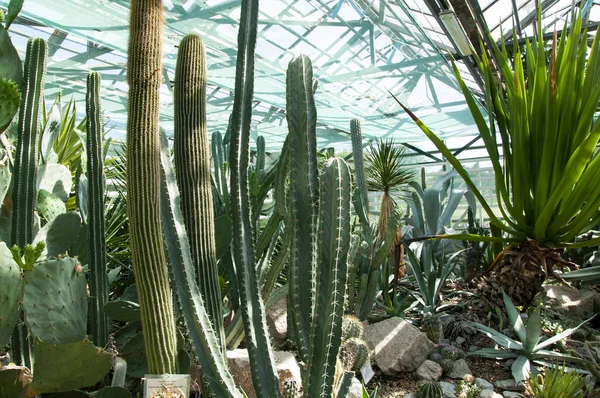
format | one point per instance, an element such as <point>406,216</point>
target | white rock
<point>355,389</point>
<point>489,394</point>
<point>277,320</point>
<point>398,346</point>
<point>429,371</point>
<point>509,384</point>
<point>573,302</point>
<point>511,394</point>
<point>239,366</point>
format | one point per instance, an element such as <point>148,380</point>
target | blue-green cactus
<point>11,291</point>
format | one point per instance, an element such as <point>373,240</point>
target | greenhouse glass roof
<point>361,49</point>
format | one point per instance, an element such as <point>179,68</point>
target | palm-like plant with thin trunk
<point>386,172</point>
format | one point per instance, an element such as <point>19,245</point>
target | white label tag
<point>177,385</point>
<point>367,372</point>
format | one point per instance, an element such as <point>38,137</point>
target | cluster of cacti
<point>144,75</point>
<point>432,326</point>
<point>354,351</point>
<point>428,389</point>
<point>465,389</point>
<point>98,280</point>
<point>445,355</point>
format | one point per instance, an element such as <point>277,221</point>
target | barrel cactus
<point>351,327</point>
<point>430,390</point>
<point>432,327</point>
<point>354,353</point>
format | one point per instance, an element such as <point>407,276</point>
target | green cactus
<point>10,97</point>
<point>55,301</point>
<point>253,312</point>
<point>11,291</point>
<point>432,326</point>
<point>144,74</point>
<point>201,334</point>
<point>99,288</point>
<point>351,327</point>
<point>25,167</point>
<point>260,156</point>
<point>192,167</point>
<point>447,365</point>
<point>354,353</point>
<point>290,389</point>
<point>55,364</point>
<point>359,166</point>
<point>430,390</point>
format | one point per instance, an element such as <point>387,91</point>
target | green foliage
<point>556,383</point>
<point>10,97</point>
<point>527,349</point>
<point>385,169</point>
<point>548,137</point>
<point>429,389</point>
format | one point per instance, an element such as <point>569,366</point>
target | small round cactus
<point>430,390</point>
<point>354,353</point>
<point>432,327</point>
<point>290,389</point>
<point>447,365</point>
<point>10,97</point>
<point>351,327</point>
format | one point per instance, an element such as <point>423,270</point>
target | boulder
<point>489,394</point>
<point>483,384</point>
<point>509,385</point>
<point>239,366</point>
<point>460,370</point>
<point>511,394</point>
<point>429,371</point>
<point>570,301</point>
<point>355,389</point>
<point>398,346</point>
<point>448,389</point>
<point>277,320</point>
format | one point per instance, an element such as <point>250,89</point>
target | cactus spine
<point>432,327</point>
<point>144,71</point>
<point>25,168</point>
<point>430,390</point>
<point>264,377</point>
<point>359,165</point>
<point>99,288</point>
<point>192,167</point>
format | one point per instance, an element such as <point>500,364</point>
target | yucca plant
<point>556,383</point>
<point>385,172</point>
<point>545,177</point>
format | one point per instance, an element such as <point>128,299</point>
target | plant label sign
<point>176,386</point>
<point>367,372</point>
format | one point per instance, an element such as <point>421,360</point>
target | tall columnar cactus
<point>304,191</point>
<point>253,312</point>
<point>144,71</point>
<point>192,167</point>
<point>97,240</point>
<point>317,276</point>
<point>260,156</point>
<point>25,168</point>
<point>359,165</point>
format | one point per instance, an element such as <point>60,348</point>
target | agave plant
<point>545,177</point>
<point>527,349</point>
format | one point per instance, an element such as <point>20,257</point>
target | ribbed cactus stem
<point>334,244</point>
<point>359,165</point>
<point>144,71</point>
<point>192,167</point>
<point>262,365</point>
<point>304,191</point>
<point>98,280</point>
<point>25,169</point>
<point>260,155</point>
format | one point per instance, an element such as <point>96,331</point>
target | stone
<point>483,384</point>
<point>509,384</point>
<point>277,321</point>
<point>460,340</point>
<point>397,345</point>
<point>473,348</point>
<point>572,302</point>
<point>460,370</point>
<point>489,394</point>
<point>239,366</point>
<point>429,371</point>
<point>508,363</point>
<point>448,389</point>
<point>355,389</point>
<point>411,395</point>
<point>511,394</point>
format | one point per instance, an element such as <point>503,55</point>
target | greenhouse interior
<point>299,198</point>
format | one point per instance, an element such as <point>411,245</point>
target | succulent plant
<point>10,97</point>
<point>429,389</point>
<point>432,327</point>
<point>351,327</point>
<point>354,353</point>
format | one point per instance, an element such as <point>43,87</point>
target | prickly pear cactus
<point>55,301</point>
<point>351,327</point>
<point>14,381</point>
<point>430,390</point>
<point>10,97</point>
<point>11,291</point>
<point>65,367</point>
